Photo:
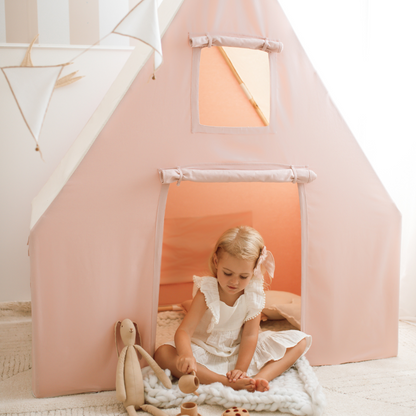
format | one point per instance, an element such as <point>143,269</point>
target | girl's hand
<point>235,375</point>
<point>186,364</point>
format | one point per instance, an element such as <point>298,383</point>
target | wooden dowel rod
<point>169,308</point>
<point>243,86</point>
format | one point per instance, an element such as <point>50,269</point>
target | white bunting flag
<point>142,23</point>
<point>32,88</point>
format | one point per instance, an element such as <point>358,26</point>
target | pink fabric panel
<point>88,271</point>
<point>92,252</point>
<point>266,45</point>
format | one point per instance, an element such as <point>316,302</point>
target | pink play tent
<point>113,236</point>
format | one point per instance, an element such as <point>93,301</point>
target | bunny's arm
<point>120,386</point>
<point>160,374</point>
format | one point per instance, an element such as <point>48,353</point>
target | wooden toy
<point>236,411</point>
<point>189,383</point>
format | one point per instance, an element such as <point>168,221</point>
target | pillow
<point>283,305</point>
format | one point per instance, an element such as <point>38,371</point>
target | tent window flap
<point>263,44</point>
<point>289,174</point>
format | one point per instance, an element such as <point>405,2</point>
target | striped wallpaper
<point>64,22</point>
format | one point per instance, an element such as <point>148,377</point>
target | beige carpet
<point>380,387</point>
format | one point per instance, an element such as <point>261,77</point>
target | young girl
<point>219,338</point>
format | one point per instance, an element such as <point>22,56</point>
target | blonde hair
<point>242,242</point>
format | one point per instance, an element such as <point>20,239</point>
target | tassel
<point>38,150</point>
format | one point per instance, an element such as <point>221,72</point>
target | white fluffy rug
<point>296,391</point>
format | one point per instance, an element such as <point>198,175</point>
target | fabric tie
<point>295,176</point>
<point>266,45</point>
<point>209,41</point>
<point>180,176</point>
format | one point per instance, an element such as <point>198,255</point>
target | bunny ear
<point>115,336</point>
<point>138,336</point>
<point>138,340</point>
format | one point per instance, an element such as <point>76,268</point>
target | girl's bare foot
<point>261,384</point>
<point>248,384</point>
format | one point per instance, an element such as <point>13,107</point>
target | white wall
<point>362,50</point>
<point>22,172</point>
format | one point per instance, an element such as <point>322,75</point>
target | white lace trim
<point>208,285</point>
<point>255,298</point>
<point>254,294</point>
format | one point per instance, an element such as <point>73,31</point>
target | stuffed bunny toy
<point>129,379</point>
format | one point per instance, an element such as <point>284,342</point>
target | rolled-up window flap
<point>290,174</point>
<point>264,44</point>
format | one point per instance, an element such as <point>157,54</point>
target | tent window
<point>232,80</point>
<point>234,87</point>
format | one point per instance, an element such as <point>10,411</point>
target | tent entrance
<point>270,197</point>
<point>198,213</point>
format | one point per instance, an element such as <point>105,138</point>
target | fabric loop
<point>266,45</point>
<point>295,175</point>
<point>209,41</point>
<point>180,176</point>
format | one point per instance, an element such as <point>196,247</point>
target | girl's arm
<point>247,348</point>
<point>186,362</point>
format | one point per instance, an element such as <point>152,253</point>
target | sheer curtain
<point>363,51</point>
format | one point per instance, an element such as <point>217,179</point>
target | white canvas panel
<point>32,88</point>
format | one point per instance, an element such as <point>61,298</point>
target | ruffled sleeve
<point>208,285</point>
<point>255,298</point>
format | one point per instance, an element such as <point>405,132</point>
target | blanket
<point>296,391</point>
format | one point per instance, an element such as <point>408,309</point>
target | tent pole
<point>243,86</point>
<point>169,308</point>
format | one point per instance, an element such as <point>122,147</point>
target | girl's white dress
<point>216,340</point>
